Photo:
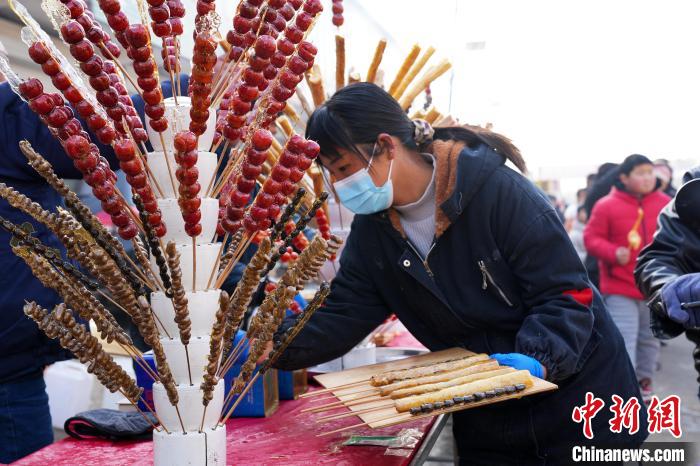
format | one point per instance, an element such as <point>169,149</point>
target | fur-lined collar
<point>446,155</point>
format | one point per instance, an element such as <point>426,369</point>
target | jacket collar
<point>630,198</point>
<point>461,172</point>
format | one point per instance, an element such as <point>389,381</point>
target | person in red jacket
<point>621,224</point>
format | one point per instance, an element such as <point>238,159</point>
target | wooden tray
<point>376,419</point>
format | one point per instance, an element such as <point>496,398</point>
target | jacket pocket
<point>488,281</point>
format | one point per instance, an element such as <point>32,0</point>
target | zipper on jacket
<point>425,261</point>
<point>487,278</point>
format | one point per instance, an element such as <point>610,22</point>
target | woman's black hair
<point>357,114</point>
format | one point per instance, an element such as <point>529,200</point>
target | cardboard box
<point>292,384</point>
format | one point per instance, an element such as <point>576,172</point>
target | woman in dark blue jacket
<point>469,253</point>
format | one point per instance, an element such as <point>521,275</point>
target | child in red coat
<point>621,224</point>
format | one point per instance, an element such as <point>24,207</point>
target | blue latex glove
<point>684,289</point>
<point>520,361</point>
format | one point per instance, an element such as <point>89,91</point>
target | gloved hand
<point>520,361</point>
<point>684,289</point>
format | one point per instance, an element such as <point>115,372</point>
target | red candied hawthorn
<point>185,143</point>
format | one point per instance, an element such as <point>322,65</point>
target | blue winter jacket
<point>502,277</point>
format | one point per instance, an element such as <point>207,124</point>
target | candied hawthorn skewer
<point>85,155</point>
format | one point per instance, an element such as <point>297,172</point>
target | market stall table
<point>288,437</point>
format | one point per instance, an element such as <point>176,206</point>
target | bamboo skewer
<point>334,397</point>
<point>334,389</point>
<point>339,404</point>
<point>167,163</point>
<point>218,260</point>
<point>333,417</point>
<point>229,267</point>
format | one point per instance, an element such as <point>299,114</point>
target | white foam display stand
<point>179,120</point>
<point>190,406</point>
<point>201,304</point>
<point>172,216</point>
<point>206,165</point>
<point>198,349</point>
<point>190,449</point>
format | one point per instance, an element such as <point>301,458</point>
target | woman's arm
<point>352,310</point>
<point>554,285</point>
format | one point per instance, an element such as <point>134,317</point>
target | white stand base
<point>198,350</point>
<point>190,406</point>
<point>192,449</point>
<point>202,305</point>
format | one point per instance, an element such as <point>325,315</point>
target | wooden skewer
<point>218,260</point>
<point>333,417</point>
<point>231,359</point>
<point>332,389</point>
<point>240,397</point>
<point>189,369</point>
<point>393,417</point>
<point>141,152</point>
<point>167,163</point>
<point>204,413</point>
<point>361,424</point>
<point>194,263</point>
<point>182,424</point>
<point>335,397</point>
<point>122,69</point>
<point>218,164</point>
<point>342,404</point>
<point>229,267</point>
<point>142,413</point>
<point>142,273</point>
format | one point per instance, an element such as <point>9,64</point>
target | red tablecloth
<point>288,437</point>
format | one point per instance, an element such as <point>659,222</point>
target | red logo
<point>662,414</point>
<point>587,412</point>
<point>665,415</point>
<point>626,415</point>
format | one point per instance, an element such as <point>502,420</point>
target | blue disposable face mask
<point>358,192</point>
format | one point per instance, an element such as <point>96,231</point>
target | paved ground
<point>676,376</point>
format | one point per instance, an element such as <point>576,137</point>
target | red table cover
<point>288,437</point>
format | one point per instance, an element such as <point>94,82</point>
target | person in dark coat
<point>467,253</point>
<point>25,421</point>
<point>668,270</point>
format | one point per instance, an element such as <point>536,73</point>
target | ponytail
<point>357,114</point>
<point>475,135</point>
